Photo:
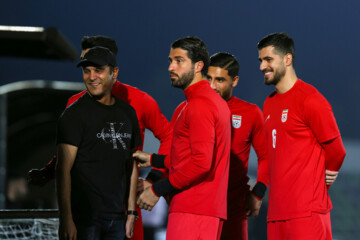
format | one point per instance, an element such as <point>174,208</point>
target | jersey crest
<point>236,121</point>
<point>284,115</point>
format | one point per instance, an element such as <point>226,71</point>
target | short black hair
<point>282,43</point>
<point>196,50</point>
<point>226,61</point>
<point>99,41</point>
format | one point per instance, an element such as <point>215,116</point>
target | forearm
<point>196,168</point>
<point>260,146</point>
<point>63,186</point>
<point>66,157</point>
<point>157,160</point>
<point>334,154</point>
<point>163,187</point>
<point>133,185</point>
<point>156,175</point>
<point>259,190</point>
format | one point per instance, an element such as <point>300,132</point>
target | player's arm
<point>66,157</point>
<point>156,122</point>
<point>131,209</point>
<point>322,122</point>
<point>254,198</point>
<point>334,157</point>
<point>39,177</point>
<point>201,121</point>
<point>261,149</point>
<point>147,159</point>
<point>161,161</point>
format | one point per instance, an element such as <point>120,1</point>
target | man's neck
<point>197,78</point>
<point>106,100</point>
<point>286,82</point>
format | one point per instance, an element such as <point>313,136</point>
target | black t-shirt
<point>105,136</point>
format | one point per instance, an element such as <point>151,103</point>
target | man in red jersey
<point>305,147</point>
<point>247,128</point>
<point>200,150</point>
<point>147,111</point>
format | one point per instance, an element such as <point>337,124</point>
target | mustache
<point>173,74</point>
<point>267,70</point>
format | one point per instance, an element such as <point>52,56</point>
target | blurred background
<point>34,88</point>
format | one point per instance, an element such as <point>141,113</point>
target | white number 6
<point>274,138</point>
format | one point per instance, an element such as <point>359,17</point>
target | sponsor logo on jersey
<point>113,135</point>
<point>284,115</point>
<point>236,121</point>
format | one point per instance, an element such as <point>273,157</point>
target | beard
<point>278,74</point>
<point>184,80</point>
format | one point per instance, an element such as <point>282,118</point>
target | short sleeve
<point>69,129</point>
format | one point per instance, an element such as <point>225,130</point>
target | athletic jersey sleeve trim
<point>158,160</point>
<point>259,190</point>
<point>163,187</point>
<point>154,175</point>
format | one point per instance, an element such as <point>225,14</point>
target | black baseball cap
<point>99,56</point>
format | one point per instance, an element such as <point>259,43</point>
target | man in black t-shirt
<point>95,174</point>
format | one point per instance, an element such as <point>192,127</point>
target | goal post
<point>29,224</point>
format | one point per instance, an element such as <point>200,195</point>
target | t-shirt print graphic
<point>112,134</point>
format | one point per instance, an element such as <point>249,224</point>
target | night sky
<point>326,35</point>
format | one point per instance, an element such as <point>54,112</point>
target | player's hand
<point>252,205</point>
<point>67,230</point>
<point>129,226</point>
<point>330,177</point>
<point>37,177</point>
<point>142,158</point>
<point>142,184</point>
<point>147,199</point>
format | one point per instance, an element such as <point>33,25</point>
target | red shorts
<point>192,226</point>
<point>315,227</point>
<point>235,227</point>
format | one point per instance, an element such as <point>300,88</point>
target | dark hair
<point>282,43</point>
<point>196,50</point>
<point>226,61</point>
<point>99,41</point>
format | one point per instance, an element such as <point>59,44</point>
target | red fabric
<point>296,122</point>
<point>334,154</point>
<point>200,153</point>
<point>150,117</point>
<point>315,227</point>
<point>176,113</point>
<point>193,227</point>
<point>235,227</point>
<point>247,128</point>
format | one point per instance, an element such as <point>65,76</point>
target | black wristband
<point>155,175</point>
<point>163,187</point>
<point>158,160</point>
<point>259,190</point>
<point>132,212</point>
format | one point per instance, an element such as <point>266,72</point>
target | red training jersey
<point>200,153</point>
<point>247,128</point>
<point>296,123</point>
